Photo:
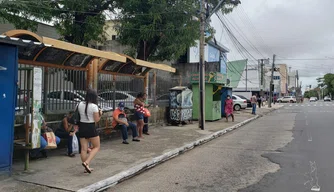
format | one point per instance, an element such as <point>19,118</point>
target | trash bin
<point>180,104</point>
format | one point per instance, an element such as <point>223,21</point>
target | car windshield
<point>242,97</point>
<point>132,93</point>
<point>83,94</point>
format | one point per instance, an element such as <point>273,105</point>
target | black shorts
<point>87,130</point>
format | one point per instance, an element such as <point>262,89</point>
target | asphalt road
<point>229,163</point>
<point>307,162</point>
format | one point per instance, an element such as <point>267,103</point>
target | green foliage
<point>311,93</point>
<point>77,21</point>
<point>161,29</point>
<point>153,29</point>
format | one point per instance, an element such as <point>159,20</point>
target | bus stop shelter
<point>35,50</point>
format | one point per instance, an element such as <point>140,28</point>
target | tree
<point>328,81</point>
<point>161,29</point>
<point>311,93</point>
<point>77,21</point>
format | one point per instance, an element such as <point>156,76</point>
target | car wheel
<point>237,107</point>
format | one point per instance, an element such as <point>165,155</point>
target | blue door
<point>8,88</point>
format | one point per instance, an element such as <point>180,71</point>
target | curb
<point>113,180</point>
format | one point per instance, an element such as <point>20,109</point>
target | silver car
<point>121,96</point>
<point>63,101</point>
<point>239,103</point>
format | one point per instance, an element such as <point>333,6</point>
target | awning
<point>48,52</point>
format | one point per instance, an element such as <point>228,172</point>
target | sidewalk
<point>61,172</point>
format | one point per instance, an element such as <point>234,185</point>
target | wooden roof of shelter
<point>48,52</point>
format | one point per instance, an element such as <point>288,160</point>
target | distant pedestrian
<point>229,108</point>
<point>253,102</point>
<point>259,101</point>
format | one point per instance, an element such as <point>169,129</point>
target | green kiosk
<point>213,85</point>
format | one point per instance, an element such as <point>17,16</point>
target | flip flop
<point>85,165</point>
<point>91,169</point>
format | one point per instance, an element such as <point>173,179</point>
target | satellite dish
<point>228,81</point>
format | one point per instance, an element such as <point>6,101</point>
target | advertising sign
<point>37,117</point>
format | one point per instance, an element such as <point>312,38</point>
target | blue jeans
<point>124,130</point>
<point>139,115</point>
<point>35,152</point>
<point>44,143</point>
<point>254,108</point>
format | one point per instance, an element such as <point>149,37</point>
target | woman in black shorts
<point>89,115</point>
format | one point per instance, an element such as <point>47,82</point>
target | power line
<point>236,27</point>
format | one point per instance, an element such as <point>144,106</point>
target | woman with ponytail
<point>89,115</point>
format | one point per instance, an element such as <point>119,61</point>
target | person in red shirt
<point>119,119</point>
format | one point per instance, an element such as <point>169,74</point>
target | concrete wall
<point>42,29</point>
<point>284,77</point>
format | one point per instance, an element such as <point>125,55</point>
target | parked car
<point>249,104</point>
<point>287,99</point>
<point>63,101</point>
<point>313,99</point>
<point>239,103</point>
<point>279,100</point>
<point>327,98</point>
<point>121,96</point>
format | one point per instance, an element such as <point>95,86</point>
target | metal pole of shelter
<point>201,119</point>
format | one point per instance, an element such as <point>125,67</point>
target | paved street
<point>229,163</point>
<point>307,162</point>
<point>243,160</point>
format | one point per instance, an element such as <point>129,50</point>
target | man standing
<point>119,119</point>
<point>253,102</point>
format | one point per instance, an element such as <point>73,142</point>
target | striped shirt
<point>139,108</point>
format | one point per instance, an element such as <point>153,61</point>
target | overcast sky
<point>291,29</point>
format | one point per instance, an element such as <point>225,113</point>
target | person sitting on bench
<point>67,131</point>
<point>120,120</point>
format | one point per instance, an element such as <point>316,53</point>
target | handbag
<point>50,138</point>
<point>75,119</point>
<point>147,113</point>
<point>75,145</point>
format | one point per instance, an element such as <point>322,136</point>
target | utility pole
<point>246,74</point>
<point>271,81</point>
<point>262,76</point>
<point>201,119</point>
<point>298,89</point>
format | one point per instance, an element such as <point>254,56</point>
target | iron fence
<point>61,89</point>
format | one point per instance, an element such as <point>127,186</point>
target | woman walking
<point>140,113</point>
<point>229,108</point>
<point>89,115</point>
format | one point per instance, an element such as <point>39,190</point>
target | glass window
<point>71,96</point>
<point>121,96</point>
<point>54,95</point>
<point>234,98</point>
<point>106,96</point>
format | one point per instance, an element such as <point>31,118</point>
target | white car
<point>313,99</point>
<point>121,96</point>
<point>239,103</point>
<point>287,99</point>
<point>63,101</point>
<point>327,98</point>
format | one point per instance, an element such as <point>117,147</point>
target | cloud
<point>290,29</point>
